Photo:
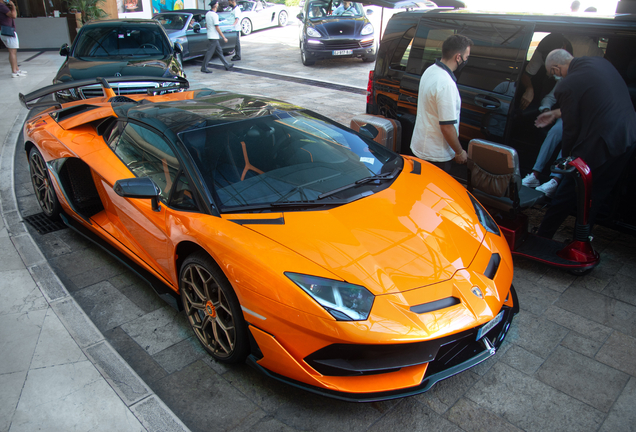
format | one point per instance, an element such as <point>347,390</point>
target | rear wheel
<point>213,310</point>
<point>307,61</point>
<point>282,19</point>
<point>44,191</point>
<point>246,27</point>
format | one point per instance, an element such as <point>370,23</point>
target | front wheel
<point>213,310</point>
<point>246,27</point>
<point>305,59</point>
<point>282,19</point>
<point>44,191</point>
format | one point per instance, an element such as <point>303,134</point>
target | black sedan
<point>131,47</point>
<point>188,27</point>
<point>335,29</point>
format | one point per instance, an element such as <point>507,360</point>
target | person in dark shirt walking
<point>9,36</point>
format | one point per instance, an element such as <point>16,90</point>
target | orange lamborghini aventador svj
<point>291,242</point>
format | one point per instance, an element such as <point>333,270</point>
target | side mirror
<point>369,11</point>
<point>178,48</point>
<point>301,16</point>
<point>196,28</point>
<point>65,50</point>
<point>141,188</point>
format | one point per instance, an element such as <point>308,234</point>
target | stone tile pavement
<point>57,371</point>
<point>568,364</point>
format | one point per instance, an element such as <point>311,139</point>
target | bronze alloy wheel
<point>44,191</point>
<point>213,310</point>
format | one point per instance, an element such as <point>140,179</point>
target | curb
<point>144,404</point>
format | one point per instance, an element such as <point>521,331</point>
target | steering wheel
<point>148,45</point>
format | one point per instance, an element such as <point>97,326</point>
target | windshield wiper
<point>377,177</point>
<point>280,205</point>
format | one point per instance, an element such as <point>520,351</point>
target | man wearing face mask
<point>436,133</point>
<point>599,126</point>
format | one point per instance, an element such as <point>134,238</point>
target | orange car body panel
<point>415,242</point>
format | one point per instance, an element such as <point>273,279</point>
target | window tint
<point>183,197</point>
<point>146,41</point>
<point>283,157</point>
<point>495,59</point>
<point>146,154</point>
<point>402,51</point>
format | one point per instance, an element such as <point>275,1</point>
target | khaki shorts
<point>11,42</point>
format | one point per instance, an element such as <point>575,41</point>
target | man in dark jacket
<point>599,126</point>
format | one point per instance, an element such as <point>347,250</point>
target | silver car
<point>188,27</point>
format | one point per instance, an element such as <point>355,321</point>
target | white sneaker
<point>530,181</point>
<point>17,75</point>
<point>21,72</point>
<point>549,188</point>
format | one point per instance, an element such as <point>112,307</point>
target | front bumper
<point>334,49</point>
<point>452,354</point>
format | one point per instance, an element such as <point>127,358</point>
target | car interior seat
<point>494,177</point>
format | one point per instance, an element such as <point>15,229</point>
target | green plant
<point>290,3</point>
<point>89,9</point>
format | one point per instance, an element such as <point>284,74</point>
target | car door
<point>146,154</point>
<point>262,15</point>
<point>489,81</point>
<point>197,35</point>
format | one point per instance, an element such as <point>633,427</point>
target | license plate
<point>342,52</point>
<point>490,325</point>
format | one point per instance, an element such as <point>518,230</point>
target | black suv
<point>490,84</point>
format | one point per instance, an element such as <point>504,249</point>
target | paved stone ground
<point>568,364</point>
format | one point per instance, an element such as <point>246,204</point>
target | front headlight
<point>484,217</point>
<point>344,301</point>
<point>368,29</point>
<point>312,32</point>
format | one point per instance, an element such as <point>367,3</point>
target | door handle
<point>487,102</point>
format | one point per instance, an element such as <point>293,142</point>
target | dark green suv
<point>490,84</point>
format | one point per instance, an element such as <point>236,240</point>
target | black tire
<point>246,26</point>
<point>368,59</point>
<point>282,19</point>
<point>44,190</point>
<point>307,61</point>
<point>212,309</point>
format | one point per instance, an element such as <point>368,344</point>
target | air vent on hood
<point>493,266</point>
<point>435,305</point>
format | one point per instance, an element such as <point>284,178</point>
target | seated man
<point>345,7</point>
<point>552,140</point>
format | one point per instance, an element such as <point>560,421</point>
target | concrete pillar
<point>110,7</point>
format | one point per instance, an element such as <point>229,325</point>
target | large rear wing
<point>165,85</point>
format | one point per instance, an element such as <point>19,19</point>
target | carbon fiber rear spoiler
<point>177,84</point>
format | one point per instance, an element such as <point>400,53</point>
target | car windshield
<point>122,41</point>
<point>287,157</point>
<point>320,9</point>
<point>172,21</point>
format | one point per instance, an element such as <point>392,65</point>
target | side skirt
<point>158,286</point>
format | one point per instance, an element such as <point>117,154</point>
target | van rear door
<point>489,80</point>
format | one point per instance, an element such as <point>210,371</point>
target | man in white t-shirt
<point>214,34</point>
<point>436,133</point>
<point>236,17</point>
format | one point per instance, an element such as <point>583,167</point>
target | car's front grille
<point>341,44</point>
<point>119,89</point>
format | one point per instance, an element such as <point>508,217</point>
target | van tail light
<point>370,88</point>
